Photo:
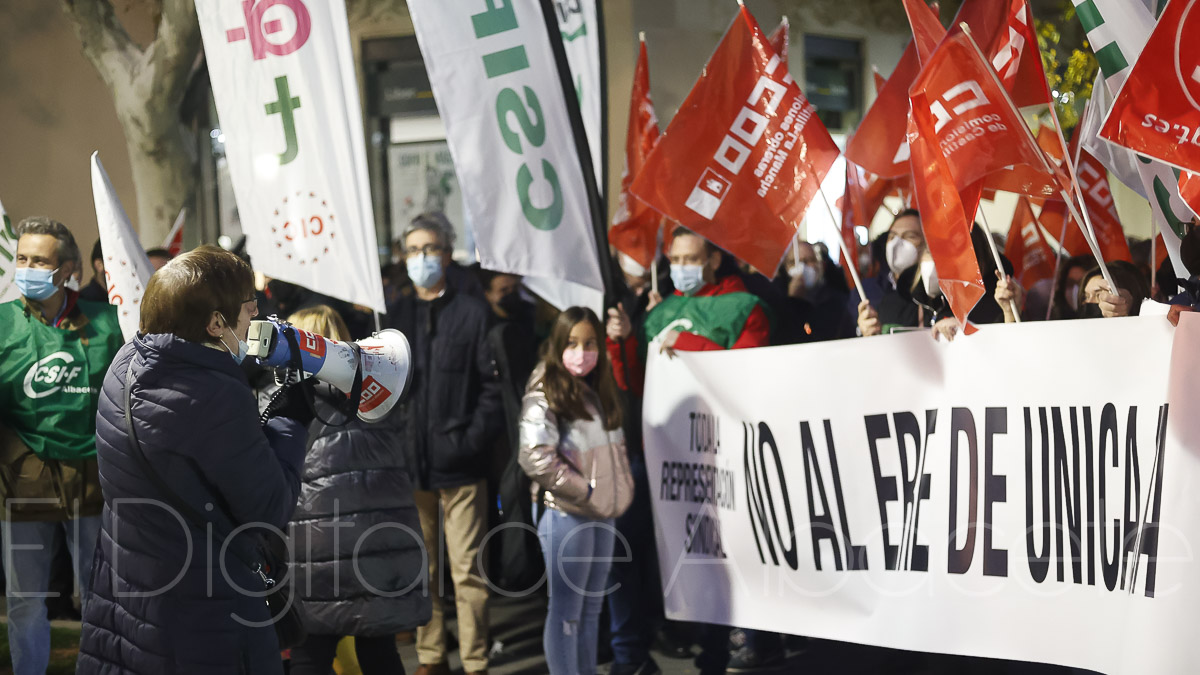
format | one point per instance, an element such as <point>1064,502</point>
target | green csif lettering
<point>542,218</point>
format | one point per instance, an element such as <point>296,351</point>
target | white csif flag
<point>579,23</point>
<point>8,258</point>
<point>498,89</point>
<point>284,82</point>
<point>126,267</point>
<point>1117,31</point>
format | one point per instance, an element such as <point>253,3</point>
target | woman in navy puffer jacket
<point>163,602</point>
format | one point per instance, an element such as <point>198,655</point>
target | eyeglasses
<point>254,300</point>
<point>427,249</point>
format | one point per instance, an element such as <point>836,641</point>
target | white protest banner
<point>8,258</point>
<point>1017,494</point>
<point>582,35</point>
<point>126,267</point>
<point>284,82</point>
<point>498,90</point>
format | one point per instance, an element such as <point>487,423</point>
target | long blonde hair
<point>323,321</point>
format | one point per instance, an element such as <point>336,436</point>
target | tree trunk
<point>164,173</point>
<point>147,86</point>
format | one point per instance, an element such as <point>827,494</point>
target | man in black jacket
<point>451,416</point>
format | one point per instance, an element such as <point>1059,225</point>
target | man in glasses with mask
<point>905,247</point>
<point>54,352</point>
<point>450,419</point>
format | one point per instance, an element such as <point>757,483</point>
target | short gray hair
<point>435,222</point>
<point>68,250</point>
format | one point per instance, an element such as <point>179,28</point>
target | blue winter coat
<point>160,602</point>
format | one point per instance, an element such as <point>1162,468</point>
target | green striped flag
<point>1117,31</point>
<point>8,258</point>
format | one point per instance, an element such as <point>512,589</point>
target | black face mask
<point>511,304</point>
<point>1090,310</point>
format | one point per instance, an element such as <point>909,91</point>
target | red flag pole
<point>1088,233</point>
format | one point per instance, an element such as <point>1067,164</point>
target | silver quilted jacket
<point>564,458</point>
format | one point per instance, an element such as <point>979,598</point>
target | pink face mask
<point>579,362</point>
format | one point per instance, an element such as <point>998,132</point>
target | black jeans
<point>376,655</point>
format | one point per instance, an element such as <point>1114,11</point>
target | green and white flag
<point>579,23</point>
<point>8,258</point>
<point>1117,31</point>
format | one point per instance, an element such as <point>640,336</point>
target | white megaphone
<point>384,361</point>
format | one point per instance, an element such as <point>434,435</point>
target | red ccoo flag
<point>635,226</point>
<point>1101,208</point>
<point>880,80</point>
<point>744,155</point>
<point>879,144</point>
<point>855,214</point>
<point>1157,112</point>
<point>967,128</point>
<point>1027,248</point>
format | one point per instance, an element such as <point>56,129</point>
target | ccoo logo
<point>50,374</point>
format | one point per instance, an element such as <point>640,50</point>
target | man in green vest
<point>705,313</point>
<point>54,352</point>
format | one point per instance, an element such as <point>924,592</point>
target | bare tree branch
<point>106,44</point>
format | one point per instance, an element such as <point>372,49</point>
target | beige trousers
<point>463,512</point>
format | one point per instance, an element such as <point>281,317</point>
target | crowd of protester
<point>516,415</point>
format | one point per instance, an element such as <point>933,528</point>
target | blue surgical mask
<point>687,278</point>
<point>35,284</point>
<point>425,271</point>
<point>243,346</point>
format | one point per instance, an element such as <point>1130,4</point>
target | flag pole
<point>654,274</point>
<point>987,230</point>
<point>1088,233</point>
<point>613,285</point>
<point>850,262</point>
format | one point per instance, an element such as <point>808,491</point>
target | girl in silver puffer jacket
<point>572,446</point>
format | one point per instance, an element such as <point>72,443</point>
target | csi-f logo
<point>258,27</point>
<point>962,97</point>
<point>745,133</point>
<point>50,374</point>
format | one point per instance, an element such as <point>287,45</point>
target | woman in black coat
<point>356,534</point>
<point>166,597</point>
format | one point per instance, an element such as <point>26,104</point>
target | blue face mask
<point>425,271</point>
<point>243,346</point>
<point>687,278</point>
<point>35,284</point>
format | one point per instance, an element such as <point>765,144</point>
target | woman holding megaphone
<point>572,446</point>
<point>181,579</point>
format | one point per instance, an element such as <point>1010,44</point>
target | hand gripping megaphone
<point>382,361</point>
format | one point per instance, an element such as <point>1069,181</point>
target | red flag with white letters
<point>635,226</point>
<point>1157,112</point>
<point>1027,248</point>
<point>745,154</point>
<point>967,128</point>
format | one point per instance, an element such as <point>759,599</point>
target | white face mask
<point>807,273</point>
<point>929,278</point>
<point>901,255</point>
